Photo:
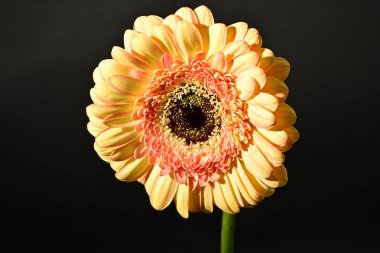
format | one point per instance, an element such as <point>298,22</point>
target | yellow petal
<point>279,69</point>
<point>128,38</point>
<point>277,137</point>
<point>182,200</point>
<point>164,38</point>
<point>120,120</point>
<point>285,116</point>
<point>187,14</point>
<point>113,68</point>
<point>247,86</point>
<point>265,100</point>
<point>252,37</point>
<point>195,200</point>
<point>234,176</point>
<point>163,192</point>
<point>149,24</point>
<point>146,49</point>
<point>132,169</point>
<point>235,48</point>
<point>261,117</point>
<point>278,178</point>
<point>256,163</point>
<point>138,25</point>
<point>205,20</point>
<point>94,131</point>
<point>272,154</point>
<point>204,15</point>
<point>125,151</point>
<point>236,31</point>
<point>217,36</point>
<point>253,193</point>
<point>109,95</point>
<point>266,58</point>
<point>277,88</point>
<point>128,85</point>
<point>125,58</point>
<point>219,198</point>
<point>293,134</point>
<point>243,61</point>
<point>218,62</point>
<point>94,98</point>
<point>171,22</point>
<point>261,188</point>
<point>102,111</point>
<point>152,178</point>
<point>188,39</point>
<point>114,137</point>
<point>228,195</point>
<point>234,189</point>
<point>207,201</point>
<point>255,72</point>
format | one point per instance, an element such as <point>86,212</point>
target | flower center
<point>191,113</point>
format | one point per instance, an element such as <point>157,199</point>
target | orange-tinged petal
<point>187,14</point>
<point>217,36</point>
<point>219,62</point>
<point>279,69</point>
<point>182,200</point>
<point>261,117</point>
<point>146,49</point>
<point>277,88</point>
<point>236,31</point>
<point>293,134</point>
<point>163,192</point>
<point>188,39</point>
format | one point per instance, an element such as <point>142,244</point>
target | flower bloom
<point>195,111</point>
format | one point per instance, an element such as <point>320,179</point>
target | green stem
<point>228,231</point>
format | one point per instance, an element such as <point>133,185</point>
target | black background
<point>56,194</point>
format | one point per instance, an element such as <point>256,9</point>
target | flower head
<point>195,111</point>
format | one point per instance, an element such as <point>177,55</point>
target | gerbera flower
<point>195,111</point>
